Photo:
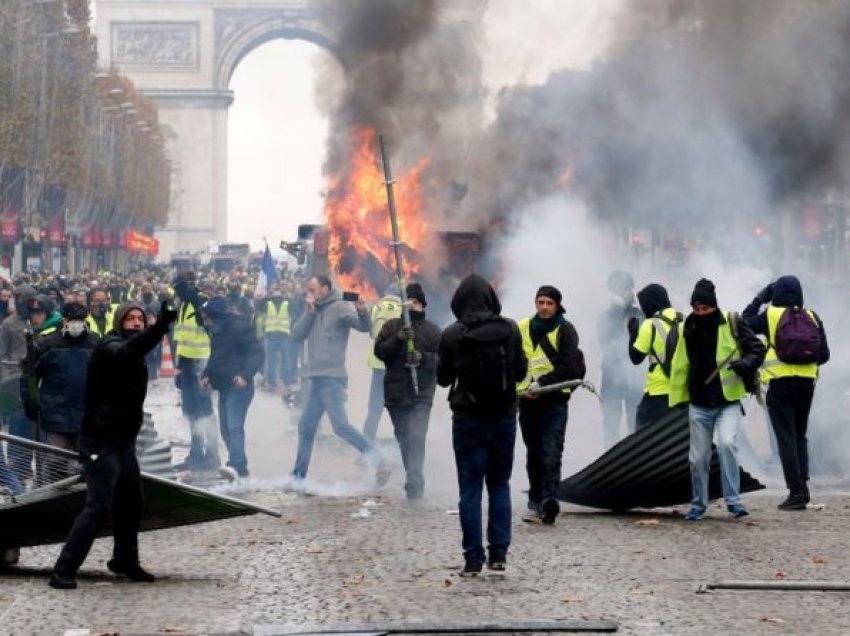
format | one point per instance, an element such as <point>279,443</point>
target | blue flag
<point>268,274</point>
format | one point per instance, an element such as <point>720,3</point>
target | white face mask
<point>75,328</point>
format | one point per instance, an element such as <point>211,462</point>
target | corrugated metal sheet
<point>646,469</point>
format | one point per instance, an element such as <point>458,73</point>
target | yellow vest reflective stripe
<point>192,340</point>
<point>773,367</point>
<point>662,328</point>
<point>727,351</point>
<point>107,325</point>
<point>277,320</point>
<point>387,308</point>
<point>538,362</point>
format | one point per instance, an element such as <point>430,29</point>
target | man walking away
<point>621,382</point>
<point>325,325</point>
<point>481,358</point>
<point>655,338</point>
<point>550,344</point>
<point>237,356</point>
<point>410,411</point>
<point>716,350</point>
<point>387,308</point>
<point>116,386</point>
<point>796,348</point>
<point>192,353</point>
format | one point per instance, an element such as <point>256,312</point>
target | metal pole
<point>397,243</point>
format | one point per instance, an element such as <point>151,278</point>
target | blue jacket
<point>59,369</point>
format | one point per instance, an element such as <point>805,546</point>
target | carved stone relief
<point>169,46</point>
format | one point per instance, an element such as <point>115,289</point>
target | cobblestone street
<point>330,559</point>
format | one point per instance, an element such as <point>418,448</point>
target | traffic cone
<point>166,369</point>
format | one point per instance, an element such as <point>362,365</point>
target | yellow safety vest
<point>652,341</point>
<point>192,340</point>
<point>277,320</point>
<point>387,308</point>
<point>773,367</point>
<point>727,351</point>
<point>108,323</point>
<point>538,362</point>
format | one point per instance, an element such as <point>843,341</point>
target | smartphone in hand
<point>352,296</point>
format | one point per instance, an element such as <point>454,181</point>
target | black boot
<point>61,581</point>
<point>794,502</point>
<point>132,571</point>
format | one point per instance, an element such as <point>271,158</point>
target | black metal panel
<point>647,469</point>
<point>167,505</point>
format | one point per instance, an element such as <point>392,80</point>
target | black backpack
<point>485,365</point>
<point>670,342</point>
<point>798,339</point>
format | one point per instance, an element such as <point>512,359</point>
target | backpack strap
<point>547,347</point>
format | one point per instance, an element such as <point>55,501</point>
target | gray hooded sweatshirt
<point>326,331</point>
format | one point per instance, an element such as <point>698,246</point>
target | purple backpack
<point>798,339</point>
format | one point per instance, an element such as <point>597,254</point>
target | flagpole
<point>396,243</point>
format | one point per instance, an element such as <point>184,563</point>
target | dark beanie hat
<point>74,311</point>
<point>414,290</point>
<point>551,292</point>
<point>704,293</point>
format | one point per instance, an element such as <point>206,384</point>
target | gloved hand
<point>739,367</point>
<point>406,333</point>
<point>765,295</point>
<point>413,358</point>
<point>167,313</point>
<point>633,326</point>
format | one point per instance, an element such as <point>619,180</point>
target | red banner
<point>141,243</point>
<point>10,226</point>
<point>56,230</point>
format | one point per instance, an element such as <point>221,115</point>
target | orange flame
<point>360,250</point>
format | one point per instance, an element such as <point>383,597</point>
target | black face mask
<point>706,322</point>
<point>416,316</point>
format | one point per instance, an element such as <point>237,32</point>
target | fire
<point>360,250</point>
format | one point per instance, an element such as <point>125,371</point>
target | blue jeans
<point>543,431</point>
<point>704,422</point>
<point>376,404</point>
<point>233,406</point>
<point>325,395</point>
<point>21,458</point>
<point>8,479</point>
<point>484,453</point>
<point>276,346</point>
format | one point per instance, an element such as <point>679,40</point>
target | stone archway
<point>182,56</point>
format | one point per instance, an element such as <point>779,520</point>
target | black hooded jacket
<point>474,301</point>
<point>117,383</point>
<point>234,350</point>
<point>787,292</point>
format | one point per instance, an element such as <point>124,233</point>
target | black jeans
<point>410,425</point>
<point>114,489</point>
<point>543,429</point>
<point>651,408</point>
<point>788,403</point>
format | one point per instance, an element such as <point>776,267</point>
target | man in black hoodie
<point>116,386</point>
<point>237,356</point>
<point>649,339</point>
<point>484,405</point>
<point>550,344</point>
<point>791,384</point>
<point>409,410</point>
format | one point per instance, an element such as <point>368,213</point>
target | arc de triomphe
<point>181,54</point>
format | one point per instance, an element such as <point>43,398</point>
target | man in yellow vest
<point>796,347</point>
<point>387,308</point>
<point>276,323</point>
<point>649,340</point>
<point>100,313</point>
<point>550,344</point>
<point>714,352</point>
<point>191,355</point>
